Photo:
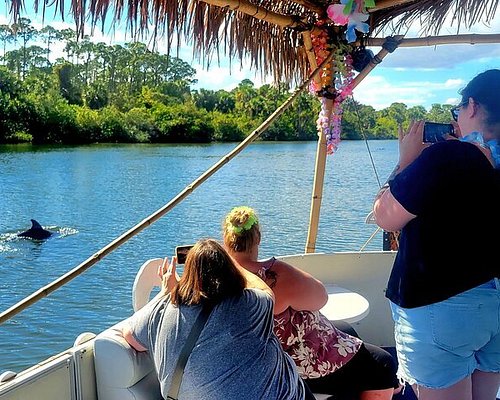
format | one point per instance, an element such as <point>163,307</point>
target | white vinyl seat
<point>121,372</point>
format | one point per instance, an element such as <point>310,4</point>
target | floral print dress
<point>313,342</point>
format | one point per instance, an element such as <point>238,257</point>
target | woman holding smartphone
<point>236,355</point>
<point>444,286</point>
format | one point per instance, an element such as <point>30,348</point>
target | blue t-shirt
<point>451,245</point>
<point>237,355</point>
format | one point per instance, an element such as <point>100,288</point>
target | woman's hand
<point>168,275</point>
<point>410,143</point>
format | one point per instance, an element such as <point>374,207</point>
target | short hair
<point>484,89</point>
<point>240,229</point>
<point>210,276</point>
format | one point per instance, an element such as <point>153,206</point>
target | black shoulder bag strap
<point>198,326</point>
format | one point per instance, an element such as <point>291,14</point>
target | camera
<point>436,132</point>
<point>181,253</point>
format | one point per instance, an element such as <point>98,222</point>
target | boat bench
<point>123,373</point>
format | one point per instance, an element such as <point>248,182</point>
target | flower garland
<point>330,120</point>
<point>337,76</point>
<point>340,71</point>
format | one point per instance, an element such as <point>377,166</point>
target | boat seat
<point>123,373</point>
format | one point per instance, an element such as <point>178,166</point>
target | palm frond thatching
<point>268,32</point>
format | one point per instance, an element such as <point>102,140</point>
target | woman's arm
<point>131,340</point>
<point>389,214</point>
<point>253,281</point>
<point>297,289</point>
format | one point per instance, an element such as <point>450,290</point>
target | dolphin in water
<point>35,232</point>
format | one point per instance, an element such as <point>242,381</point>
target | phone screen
<point>436,132</point>
<point>181,253</point>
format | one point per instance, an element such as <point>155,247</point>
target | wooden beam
<point>372,64</point>
<point>472,38</point>
<point>311,6</point>
<point>261,13</point>
<point>318,184</point>
<point>311,57</point>
<point>383,4</point>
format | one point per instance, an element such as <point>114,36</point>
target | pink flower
<point>336,14</point>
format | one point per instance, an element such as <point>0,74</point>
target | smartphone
<point>181,253</point>
<point>436,132</point>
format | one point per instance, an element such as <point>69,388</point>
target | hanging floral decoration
<point>335,84</point>
<point>330,120</point>
<point>336,77</point>
<point>351,13</point>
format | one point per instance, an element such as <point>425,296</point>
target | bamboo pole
<point>372,64</point>
<point>317,194</point>
<point>319,172</point>
<point>79,269</point>
<point>472,38</point>
<point>311,57</point>
<point>257,12</point>
<point>311,6</point>
<point>383,4</point>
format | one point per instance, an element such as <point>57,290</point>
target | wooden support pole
<point>317,194</point>
<point>383,4</point>
<point>472,38</point>
<point>261,13</point>
<point>319,172</point>
<point>311,57</point>
<point>373,63</point>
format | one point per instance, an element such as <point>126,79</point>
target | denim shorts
<point>440,344</point>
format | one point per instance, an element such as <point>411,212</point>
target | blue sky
<point>418,76</point>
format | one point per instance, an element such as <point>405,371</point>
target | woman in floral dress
<point>329,360</point>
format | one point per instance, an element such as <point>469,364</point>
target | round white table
<point>344,304</point>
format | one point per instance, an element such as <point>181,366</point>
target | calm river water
<point>91,195</point>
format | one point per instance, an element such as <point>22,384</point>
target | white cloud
<point>454,83</point>
<point>380,92</point>
<point>452,100</point>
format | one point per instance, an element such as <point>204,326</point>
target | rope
<point>361,130</point>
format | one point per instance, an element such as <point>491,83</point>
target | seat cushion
<point>121,372</point>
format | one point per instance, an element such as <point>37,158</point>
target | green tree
<point>416,113</point>
<point>24,30</point>
<point>6,36</point>
<point>439,113</point>
<point>49,36</point>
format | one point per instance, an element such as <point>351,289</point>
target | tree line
<point>94,92</point>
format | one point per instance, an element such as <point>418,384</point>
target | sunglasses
<point>456,110</point>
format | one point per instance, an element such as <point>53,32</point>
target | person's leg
<point>383,367</point>
<point>308,394</point>
<point>385,394</point>
<point>461,390</point>
<point>485,385</point>
<point>345,327</point>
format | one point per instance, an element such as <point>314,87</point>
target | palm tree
<point>6,35</point>
<point>24,29</point>
<point>50,35</point>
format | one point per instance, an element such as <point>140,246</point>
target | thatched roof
<point>270,32</point>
